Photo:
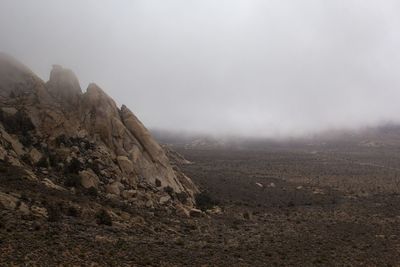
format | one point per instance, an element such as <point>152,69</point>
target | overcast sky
<point>249,67</point>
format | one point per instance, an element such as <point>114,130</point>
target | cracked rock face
<point>56,126</point>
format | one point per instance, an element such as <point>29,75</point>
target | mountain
<point>69,140</point>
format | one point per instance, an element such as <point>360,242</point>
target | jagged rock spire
<point>64,85</point>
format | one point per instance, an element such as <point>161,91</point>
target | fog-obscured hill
<point>386,135</point>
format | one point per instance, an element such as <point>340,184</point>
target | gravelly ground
<point>293,220</point>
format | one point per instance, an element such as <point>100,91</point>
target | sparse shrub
<point>204,201</point>
<point>74,166</point>
<point>3,169</point>
<point>54,213</point>
<point>19,123</point>
<point>72,180</point>
<point>72,211</point>
<point>54,159</point>
<point>26,158</point>
<point>95,168</point>
<point>182,197</point>
<point>102,217</point>
<point>180,242</point>
<point>26,139</point>
<point>92,191</point>
<point>61,139</point>
<point>169,190</point>
<point>43,162</point>
<point>158,183</point>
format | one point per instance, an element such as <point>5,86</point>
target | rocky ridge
<point>68,139</point>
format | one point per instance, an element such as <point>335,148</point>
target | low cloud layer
<point>250,67</point>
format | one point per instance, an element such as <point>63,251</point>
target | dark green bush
<point>43,162</point>
<point>54,213</point>
<point>204,201</point>
<point>169,190</point>
<point>92,191</point>
<point>54,159</point>
<point>72,180</point>
<point>74,166</point>
<point>73,212</point>
<point>26,158</point>
<point>182,197</point>
<point>17,123</point>
<point>26,139</point>
<point>102,217</point>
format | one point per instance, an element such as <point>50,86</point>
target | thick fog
<point>255,68</point>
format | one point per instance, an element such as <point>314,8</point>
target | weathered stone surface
<point>114,188</point>
<point>128,194</point>
<point>89,179</point>
<point>35,155</point>
<point>125,164</point>
<point>195,213</point>
<point>13,141</point>
<point>182,211</point>
<point>49,183</point>
<point>164,199</point>
<point>8,201</point>
<point>39,211</point>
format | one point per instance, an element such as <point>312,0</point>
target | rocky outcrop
<point>64,85</point>
<point>55,129</point>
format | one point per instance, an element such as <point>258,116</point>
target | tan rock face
<point>89,179</point>
<point>64,85</point>
<point>125,164</point>
<point>83,133</point>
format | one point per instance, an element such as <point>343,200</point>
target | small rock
<point>260,185</point>
<point>164,199</point>
<point>182,212</point>
<point>114,188</point>
<point>128,194</point>
<point>49,183</point>
<point>318,191</point>
<point>35,155</point>
<point>23,208</point>
<point>89,179</point>
<point>39,211</point>
<point>215,210</point>
<point>149,204</point>
<point>195,213</point>
<point>7,201</point>
<point>248,215</point>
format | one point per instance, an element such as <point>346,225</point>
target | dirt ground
<point>281,207</point>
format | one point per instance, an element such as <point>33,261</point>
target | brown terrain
<point>83,183</point>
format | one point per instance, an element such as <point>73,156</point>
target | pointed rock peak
<point>93,88</point>
<point>64,85</point>
<point>96,96</point>
<point>95,99</point>
<point>15,77</point>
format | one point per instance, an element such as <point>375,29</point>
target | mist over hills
<point>383,135</point>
